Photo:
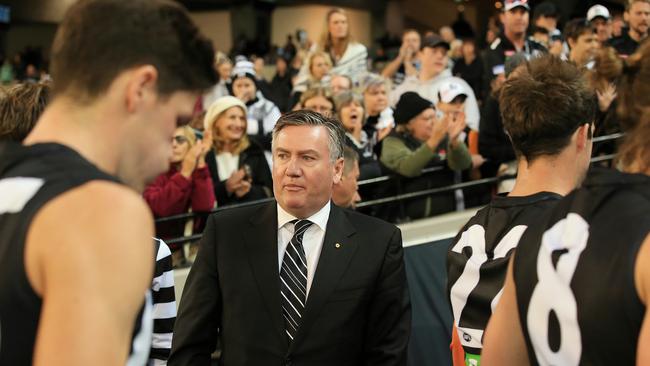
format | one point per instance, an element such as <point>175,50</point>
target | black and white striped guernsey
<point>164,305</point>
<point>574,274</point>
<point>477,261</point>
<point>30,177</point>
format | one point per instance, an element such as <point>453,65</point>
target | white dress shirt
<point>312,240</point>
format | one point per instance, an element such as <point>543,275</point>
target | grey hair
<point>335,132</point>
<point>346,98</point>
<point>373,81</point>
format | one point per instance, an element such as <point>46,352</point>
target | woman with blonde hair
<point>349,58</point>
<point>186,185</point>
<point>319,64</point>
<point>237,164</point>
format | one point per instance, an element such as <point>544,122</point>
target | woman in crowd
<point>318,100</point>
<point>349,108</point>
<point>223,65</point>
<point>422,140</point>
<point>262,113</point>
<point>379,116</point>
<point>186,185</point>
<point>237,164</point>
<point>348,57</point>
<point>319,64</point>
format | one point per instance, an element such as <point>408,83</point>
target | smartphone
<point>248,172</point>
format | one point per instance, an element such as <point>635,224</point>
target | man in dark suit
<point>298,281</point>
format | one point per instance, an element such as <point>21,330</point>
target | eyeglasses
<point>179,139</point>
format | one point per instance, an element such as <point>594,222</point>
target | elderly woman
<point>237,164</point>
<point>349,108</point>
<point>186,185</point>
<point>379,116</point>
<point>421,140</point>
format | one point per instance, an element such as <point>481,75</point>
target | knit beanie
<point>219,106</point>
<point>410,104</point>
<point>243,68</point>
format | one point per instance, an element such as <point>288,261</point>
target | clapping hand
<point>606,97</point>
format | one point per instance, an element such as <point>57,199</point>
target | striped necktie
<point>293,277</point>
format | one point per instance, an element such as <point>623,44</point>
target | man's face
<point>375,99</point>
<point>515,21</point>
<point>451,109</point>
<point>303,172</point>
<point>147,139</point>
<point>339,84</point>
<point>548,23</point>
<point>638,16</point>
<point>603,29</point>
<point>434,59</point>
<point>244,89</point>
<point>346,193</point>
<point>584,48</point>
<point>338,25</point>
<point>412,41</point>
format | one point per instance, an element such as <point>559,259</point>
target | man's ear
<point>571,42</point>
<point>583,136</point>
<point>141,87</point>
<point>338,170</point>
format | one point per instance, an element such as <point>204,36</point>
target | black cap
<point>410,104</point>
<point>434,41</point>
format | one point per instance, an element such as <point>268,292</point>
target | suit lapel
<point>332,263</point>
<point>261,241</point>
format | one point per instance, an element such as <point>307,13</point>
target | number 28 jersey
<point>574,274</point>
<point>477,261</point>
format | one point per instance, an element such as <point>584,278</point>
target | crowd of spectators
<point>434,105</point>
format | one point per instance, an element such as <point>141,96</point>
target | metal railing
<point>382,200</point>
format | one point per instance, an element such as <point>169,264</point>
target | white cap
<point>450,89</point>
<point>219,106</point>
<point>511,4</point>
<point>243,68</point>
<point>597,11</point>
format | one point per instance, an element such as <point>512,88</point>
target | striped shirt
<point>164,305</point>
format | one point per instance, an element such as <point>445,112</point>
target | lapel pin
<point>337,245</point>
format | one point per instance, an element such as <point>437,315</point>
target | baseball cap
<point>449,90</point>
<point>434,41</point>
<point>511,4</point>
<point>597,11</point>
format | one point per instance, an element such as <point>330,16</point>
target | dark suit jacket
<point>358,309</point>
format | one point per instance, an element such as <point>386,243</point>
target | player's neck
<point>544,174</point>
<point>81,129</point>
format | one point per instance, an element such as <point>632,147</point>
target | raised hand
<point>606,97</point>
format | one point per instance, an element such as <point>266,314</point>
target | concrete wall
<point>285,20</point>
<point>216,25</point>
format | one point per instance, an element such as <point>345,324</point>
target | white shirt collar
<point>320,218</point>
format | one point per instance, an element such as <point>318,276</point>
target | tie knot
<point>300,225</point>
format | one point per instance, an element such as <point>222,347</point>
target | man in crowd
<point>599,17</point>
<point>583,41</point>
<point>297,280</point>
<point>346,193</point>
<point>406,62</point>
<point>76,255</point>
<point>434,71</point>
<point>340,84</point>
<point>515,18</point>
<point>546,16</point>
<point>637,15</point>
<point>548,112</point>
